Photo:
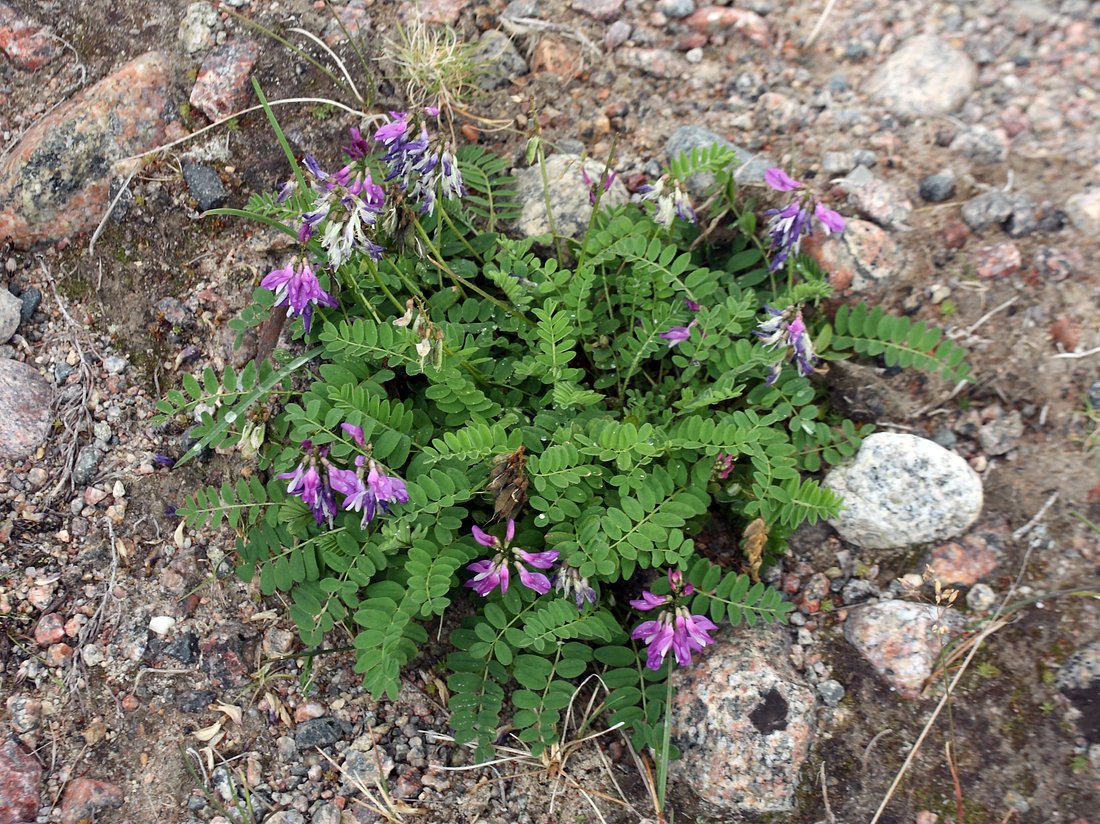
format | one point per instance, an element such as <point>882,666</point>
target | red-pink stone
<point>50,630</point>
<point>860,259</point>
<point>25,42</point>
<point>720,19</point>
<point>84,797</point>
<point>20,777</point>
<point>997,261</point>
<point>222,85</point>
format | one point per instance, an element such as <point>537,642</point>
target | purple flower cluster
<point>349,202</point>
<point>787,226</point>
<point>492,573</point>
<point>307,483</point>
<point>417,166</point>
<point>674,628</point>
<point>368,495</point>
<point>671,201</point>
<point>785,329</point>
<point>297,288</point>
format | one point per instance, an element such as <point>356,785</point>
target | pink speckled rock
<point>84,797</point>
<point>25,409</point>
<point>743,720</point>
<point>997,261</point>
<point>881,202</point>
<point>860,259</point>
<point>25,42</point>
<point>222,85</point>
<point>901,641</point>
<point>55,182</point>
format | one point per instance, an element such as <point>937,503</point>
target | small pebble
<point>831,692</point>
<point>938,187</point>
<point>980,598</point>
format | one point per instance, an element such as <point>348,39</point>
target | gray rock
<point>744,721</point>
<point>318,732</point>
<point>326,814</point>
<point>676,9</point>
<point>602,10</point>
<point>522,8</point>
<point>10,307</point>
<point>1094,394</point>
<point>865,157</point>
<point>981,598</point>
<point>115,364</point>
<point>858,590</point>
<point>901,490</point>
<point>925,77</point>
<point>1024,218</point>
<point>61,371</point>
<point>1080,670</point>
<point>837,163</point>
<point>901,640</point>
<point>987,209</point>
<point>1079,681</point>
<point>361,768</point>
<point>285,817</point>
<point>999,436</point>
<point>205,186</point>
<point>498,61</point>
<point>87,463</point>
<point>30,300</point>
<point>196,30</point>
<point>567,194</point>
<point>831,692</point>
<point>26,409</point>
<point>617,34</point>
<point>1083,210</point>
<point>982,145</point>
<point>938,187</point>
<point>750,168</point>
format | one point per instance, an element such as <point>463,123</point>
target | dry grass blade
<point>382,803</point>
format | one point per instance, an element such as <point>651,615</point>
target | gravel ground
<point>128,644</point>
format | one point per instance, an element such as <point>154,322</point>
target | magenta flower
<point>670,199</point>
<point>298,290</point>
<point>356,432</point>
<point>489,574</point>
<point>368,496</point>
<point>394,130</point>
<point>658,636</point>
<point>692,305</point>
<point>779,180</point>
<point>831,221</point>
<point>689,635</point>
<point>723,465</point>
<point>673,629</point>
<point>307,484</point>
<point>649,601</point>
<point>678,334</point>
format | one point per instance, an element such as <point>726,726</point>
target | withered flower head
<point>508,482</point>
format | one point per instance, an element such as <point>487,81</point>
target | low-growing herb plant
<point>471,425</point>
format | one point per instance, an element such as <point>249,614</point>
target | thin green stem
<point>461,235</point>
<point>437,259</point>
<point>666,745</point>
<point>291,159</point>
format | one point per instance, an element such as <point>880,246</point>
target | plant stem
<point>666,743</point>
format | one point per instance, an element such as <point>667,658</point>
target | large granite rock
<point>743,720</point>
<point>901,490</point>
<point>25,409</point>
<point>567,193</point>
<point>55,182</point>
<point>925,77</point>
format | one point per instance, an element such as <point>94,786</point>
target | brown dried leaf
<point>753,542</point>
